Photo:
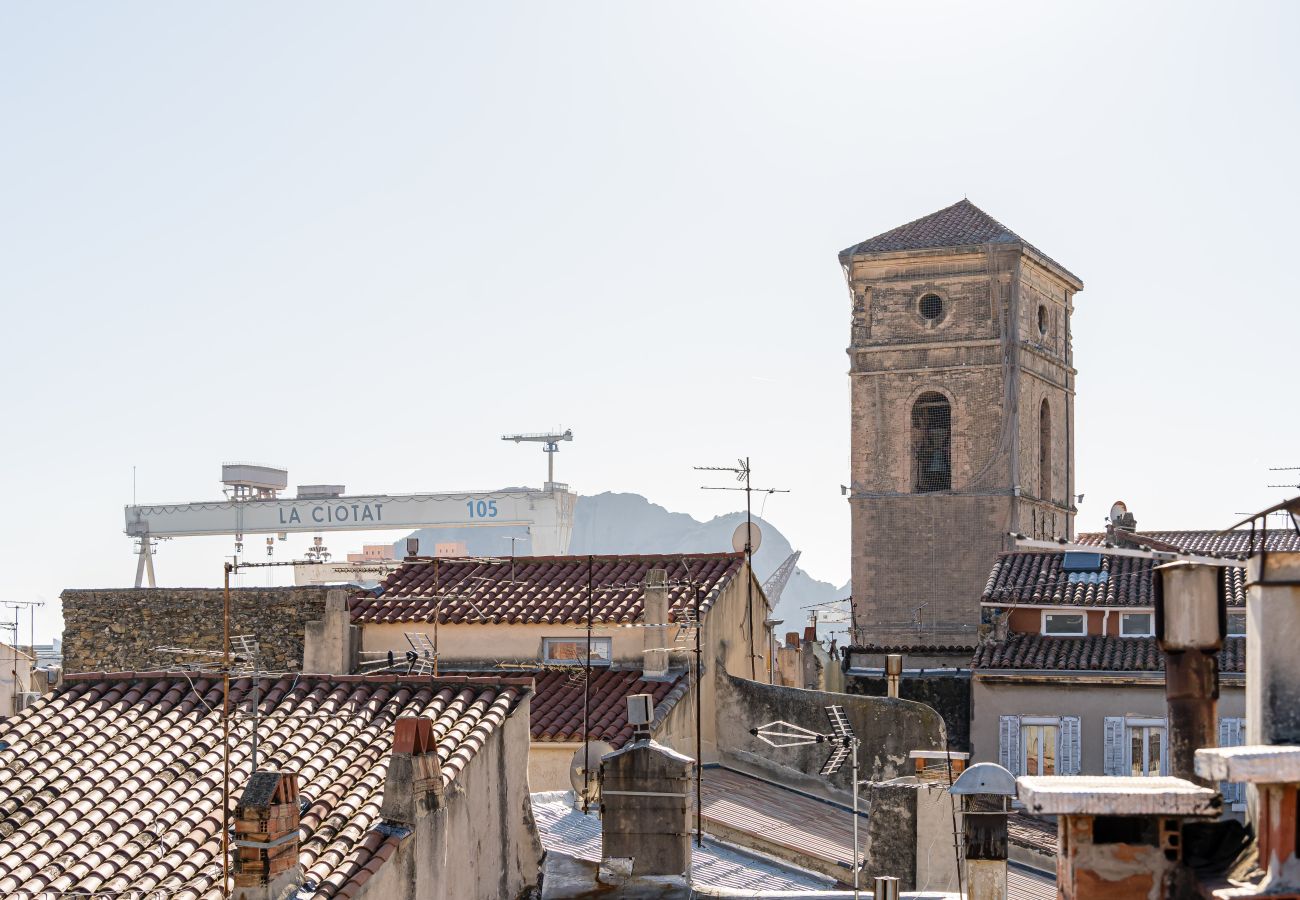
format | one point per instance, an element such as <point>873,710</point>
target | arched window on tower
<point>1045,451</point>
<point>931,444</point>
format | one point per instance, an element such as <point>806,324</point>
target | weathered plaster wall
<point>909,836</point>
<point>482,842</point>
<point>117,630</point>
<point>1090,702</point>
<point>889,730</point>
<point>948,695</point>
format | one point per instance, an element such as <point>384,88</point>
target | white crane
<point>552,442</point>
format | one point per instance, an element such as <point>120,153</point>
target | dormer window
<point>569,651</point>
<point>1065,624</point>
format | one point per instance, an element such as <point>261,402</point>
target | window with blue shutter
<point>1113,750</point>
<point>1009,743</point>
<point>1232,733</point>
<point>1071,745</point>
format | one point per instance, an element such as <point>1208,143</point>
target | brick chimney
<point>413,786</point>
<point>656,612</point>
<point>266,834</point>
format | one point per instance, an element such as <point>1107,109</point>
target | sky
<point>363,241</point>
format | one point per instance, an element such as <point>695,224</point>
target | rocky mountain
<point>629,523</point>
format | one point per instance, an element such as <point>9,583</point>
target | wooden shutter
<point>1070,745</point>
<point>1113,755</point>
<point>1009,743</point>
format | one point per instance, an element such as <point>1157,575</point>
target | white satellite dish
<point>1117,509</point>
<point>738,537</point>
<point>593,752</point>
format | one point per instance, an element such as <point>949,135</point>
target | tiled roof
<point>114,782</point>
<point>959,225</point>
<point>1233,543</point>
<point>1034,832</point>
<point>1094,653</point>
<point>1038,578</point>
<point>910,648</point>
<point>556,707</point>
<point>540,589</point>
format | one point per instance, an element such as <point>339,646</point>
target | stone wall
<point>889,730</point>
<point>117,630</point>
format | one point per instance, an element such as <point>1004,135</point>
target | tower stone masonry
<point>962,393</point>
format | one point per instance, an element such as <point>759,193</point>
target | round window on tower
<point>931,306</point>
<point>1042,320</point>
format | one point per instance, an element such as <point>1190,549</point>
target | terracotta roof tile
<point>1233,543</point>
<point>1038,578</point>
<point>555,710</point>
<point>1095,653</point>
<point>960,225</point>
<point>539,589</point>
<point>113,783</point>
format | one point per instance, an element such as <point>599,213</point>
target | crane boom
<point>552,446</point>
<point>776,582</point>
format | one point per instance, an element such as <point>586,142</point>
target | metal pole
<point>437,610</point>
<point>586,700</point>
<point>749,582</point>
<point>225,733</point>
<point>699,718</point>
<point>856,868</point>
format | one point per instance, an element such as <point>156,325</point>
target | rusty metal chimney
<point>1190,617</point>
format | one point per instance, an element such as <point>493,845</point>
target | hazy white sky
<point>364,240</point>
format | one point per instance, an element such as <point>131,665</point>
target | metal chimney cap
<point>985,778</point>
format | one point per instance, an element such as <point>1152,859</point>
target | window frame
<point>1082,632</point>
<point>1151,624</point>
<point>1040,722</point>
<point>921,441</point>
<point>596,660</point>
<point>1146,724</point>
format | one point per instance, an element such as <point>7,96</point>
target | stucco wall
<point>482,842</point>
<point>117,630</point>
<point>1090,702</point>
<point>889,729</point>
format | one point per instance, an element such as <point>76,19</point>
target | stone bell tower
<point>963,419</point>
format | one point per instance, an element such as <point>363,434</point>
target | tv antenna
<point>746,539</point>
<point>551,446</point>
<point>844,745</point>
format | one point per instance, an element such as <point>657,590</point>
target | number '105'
<point>481,509</point>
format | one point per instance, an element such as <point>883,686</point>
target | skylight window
<point>1076,561</point>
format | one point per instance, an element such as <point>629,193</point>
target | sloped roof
<point>961,225</point>
<point>1038,577</point>
<point>113,783</point>
<point>1233,543</point>
<point>556,708</point>
<point>540,589</point>
<point>1094,654</point>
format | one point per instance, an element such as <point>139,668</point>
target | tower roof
<point>959,225</point>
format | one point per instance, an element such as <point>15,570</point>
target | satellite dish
<point>1117,509</point>
<point>593,751</point>
<point>738,537</point>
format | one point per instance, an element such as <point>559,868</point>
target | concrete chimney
<point>266,836</point>
<point>644,791</point>
<point>330,644</point>
<point>656,613</point>
<point>1272,636</point>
